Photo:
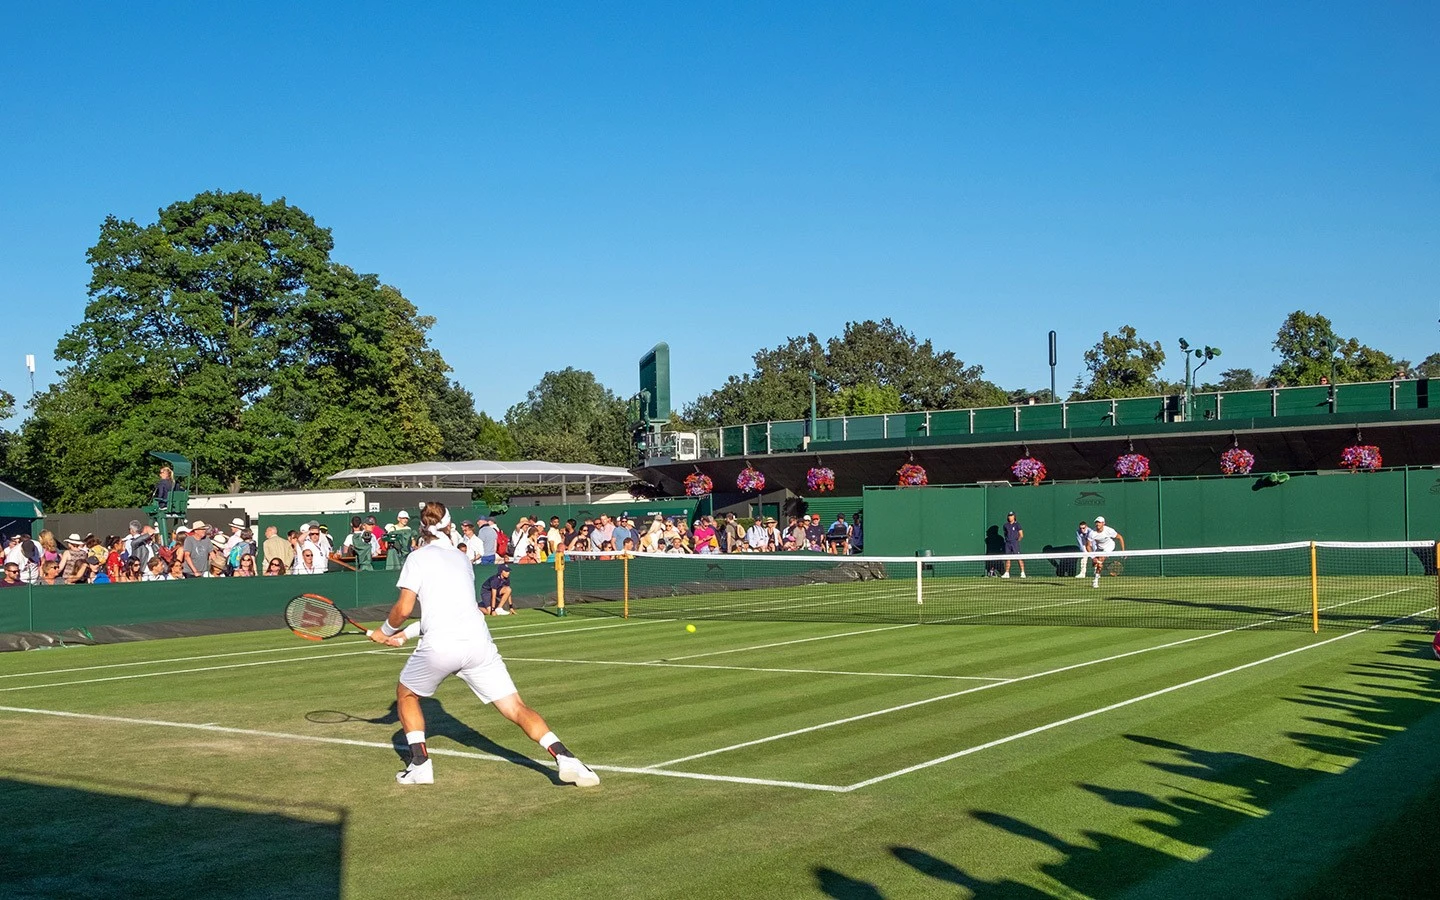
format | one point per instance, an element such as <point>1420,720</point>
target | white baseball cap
<point>1099,518</point>
<point>402,514</point>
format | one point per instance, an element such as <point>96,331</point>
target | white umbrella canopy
<point>476,472</point>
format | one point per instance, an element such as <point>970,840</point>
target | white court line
<point>661,665</point>
<point>823,637</point>
<point>307,647</point>
<point>434,751</point>
<point>155,662</point>
<point>986,687</point>
<point>1120,705</point>
<point>245,665</point>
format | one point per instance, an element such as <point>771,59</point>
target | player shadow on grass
<point>440,723</point>
<point>1351,822</point>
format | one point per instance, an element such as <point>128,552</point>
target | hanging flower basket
<point>913,475</point>
<point>1361,458</point>
<point>750,479</point>
<point>820,480</point>
<point>1029,470</point>
<point>1133,465</point>
<point>698,485</point>
<point>1236,461</point>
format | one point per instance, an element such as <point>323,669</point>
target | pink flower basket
<point>1029,470</point>
<point>820,480</point>
<point>698,485</point>
<point>1361,458</point>
<point>1236,461</point>
<point>1133,465</point>
<point>750,479</point>
<point>912,475</point>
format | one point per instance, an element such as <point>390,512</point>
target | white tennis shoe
<point>502,611</point>
<point>573,771</point>
<point>1006,575</point>
<point>421,774</point>
<point>1096,582</point>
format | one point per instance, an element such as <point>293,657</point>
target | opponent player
<point>455,641</point>
<point>1102,541</point>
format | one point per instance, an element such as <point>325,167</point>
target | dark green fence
<point>1396,504</point>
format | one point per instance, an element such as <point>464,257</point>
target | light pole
<point>1204,353</point>
<point>814,377</point>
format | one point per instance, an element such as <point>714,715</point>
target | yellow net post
<point>1437,581</point>
<point>1314,592</point>
<point>560,583</point>
<point>625,562</point>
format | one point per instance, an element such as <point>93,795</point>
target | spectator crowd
<point>200,550</point>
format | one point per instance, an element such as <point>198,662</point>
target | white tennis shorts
<point>478,664</point>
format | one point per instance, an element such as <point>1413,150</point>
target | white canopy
<point>470,473</point>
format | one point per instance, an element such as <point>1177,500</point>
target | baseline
<point>434,751</point>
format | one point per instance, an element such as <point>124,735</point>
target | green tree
<point>1122,365</point>
<point>869,356</point>
<point>864,400</point>
<point>223,331</point>
<point>570,417</point>
<point>1429,367</point>
<point>1234,380</point>
<point>1310,350</point>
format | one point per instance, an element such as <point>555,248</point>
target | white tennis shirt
<point>444,581</point>
<point>1103,538</point>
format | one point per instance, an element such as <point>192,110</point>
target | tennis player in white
<point>1102,541</point>
<point>454,641</point>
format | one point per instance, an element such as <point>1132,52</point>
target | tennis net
<point>1310,585</point>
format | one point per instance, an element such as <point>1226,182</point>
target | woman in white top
<point>454,640</point>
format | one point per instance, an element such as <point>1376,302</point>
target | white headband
<point>438,529</point>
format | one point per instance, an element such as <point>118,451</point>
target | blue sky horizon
<point>568,186</point>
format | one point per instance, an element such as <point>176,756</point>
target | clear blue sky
<point>568,184</point>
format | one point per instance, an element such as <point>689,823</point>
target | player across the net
<point>1302,584</point>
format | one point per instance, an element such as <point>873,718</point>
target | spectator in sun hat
<point>237,525</point>
<point>196,563</point>
<point>75,561</point>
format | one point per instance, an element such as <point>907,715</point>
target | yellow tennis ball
<point>690,628</point>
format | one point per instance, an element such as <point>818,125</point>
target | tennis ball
<point>690,628</point>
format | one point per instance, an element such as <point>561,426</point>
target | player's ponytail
<point>434,520</point>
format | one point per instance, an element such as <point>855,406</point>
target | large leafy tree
<point>1429,367</point>
<point>224,331</point>
<point>1122,365</point>
<point>871,367</point>
<point>571,417</point>
<point>1310,350</point>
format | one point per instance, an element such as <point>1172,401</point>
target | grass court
<point>750,758</point>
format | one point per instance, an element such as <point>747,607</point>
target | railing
<point>790,435</point>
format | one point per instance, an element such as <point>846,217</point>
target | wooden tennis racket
<point>317,618</point>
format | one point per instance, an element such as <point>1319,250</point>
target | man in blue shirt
<point>1013,533</point>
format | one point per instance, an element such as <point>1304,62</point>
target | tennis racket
<point>317,618</point>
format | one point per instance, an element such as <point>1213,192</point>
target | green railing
<point>789,436</point>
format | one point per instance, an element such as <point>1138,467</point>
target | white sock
<point>547,739</point>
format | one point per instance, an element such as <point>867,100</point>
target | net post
<point>560,583</point>
<point>625,595</point>
<point>1436,558</point>
<point>1314,592</point>
<point>919,579</point>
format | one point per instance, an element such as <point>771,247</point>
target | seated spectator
<point>857,535</point>
<point>531,556</point>
<point>246,569</point>
<point>275,566</point>
<point>155,570</point>
<point>705,536</point>
<point>307,562</point>
<point>12,576</point>
<point>177,571</point>
<point>837,536</point>
<point>132,572</point>
<point>50,572</point>
<point>677,545</point>
<point>219,562</point>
